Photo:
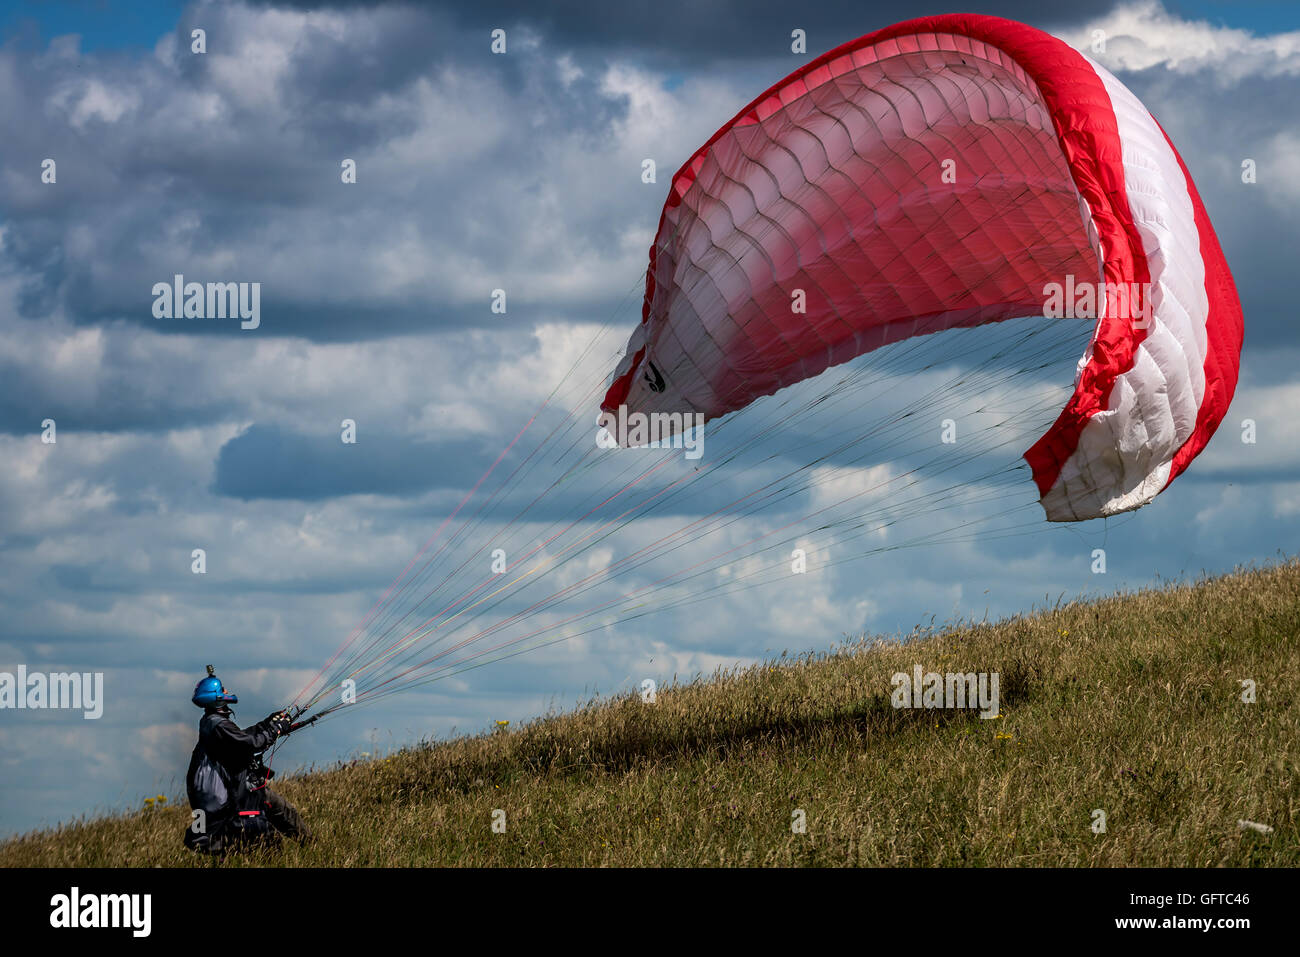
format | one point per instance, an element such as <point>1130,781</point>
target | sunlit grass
<point>1131,705</point>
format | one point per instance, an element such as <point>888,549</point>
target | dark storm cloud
<point>684,32</point>
<point>124,393</point>
<point>264,462</point>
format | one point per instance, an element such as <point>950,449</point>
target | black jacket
<point>216,781</point>
<point>229,745</point>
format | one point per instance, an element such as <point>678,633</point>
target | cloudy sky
<point>475,172</point>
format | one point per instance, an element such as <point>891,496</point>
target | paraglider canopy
<point>945,172</point>
<point>934,188</point>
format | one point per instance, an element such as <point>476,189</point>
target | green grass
<point>1131,704</point>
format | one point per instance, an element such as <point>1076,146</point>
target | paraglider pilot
<point>228,785</point>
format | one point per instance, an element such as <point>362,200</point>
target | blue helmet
<point>211,693</point>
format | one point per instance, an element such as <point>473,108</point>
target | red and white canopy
<point>940,173</point>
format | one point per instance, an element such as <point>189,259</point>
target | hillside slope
<point>1131,704</point>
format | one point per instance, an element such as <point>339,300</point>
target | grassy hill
<point>1131,704</point>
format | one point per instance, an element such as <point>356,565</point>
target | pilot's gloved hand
<point>279,722</point>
